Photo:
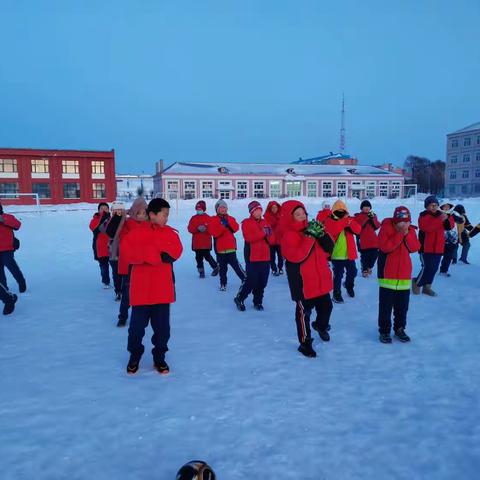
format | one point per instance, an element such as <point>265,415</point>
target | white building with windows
<point>129,185</point>
<point>189,180</point>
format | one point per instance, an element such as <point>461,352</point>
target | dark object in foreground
<point>196,470</point>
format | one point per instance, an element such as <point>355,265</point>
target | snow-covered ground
<point>239,395</point>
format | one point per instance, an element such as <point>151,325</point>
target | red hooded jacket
<point>100,239</point>
<point>323,214</point>
<point>224,235</point>
<point>200,240</point>
<point>273,219</point>
<point>368,236</point>
<point>257,243</point>
<point>9,224</point>
<point>432,231</point>
<point>334,227</point>
<point>129,225</point>
<point>309,275</point>
<point>152,280</point>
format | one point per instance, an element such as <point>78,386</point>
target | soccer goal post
<point>16,196</point>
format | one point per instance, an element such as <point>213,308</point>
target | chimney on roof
<point>159,165</point>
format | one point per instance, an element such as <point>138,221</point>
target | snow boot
<point>215,272</point>
<point>239,303</point>
<point>365,273</point>
<point>324,335</point>
<point>280,272</point>
<point>162,367</point>
<point>223,288</point>
<point>201,272</point>
<point>466,262</point>
<point>427,290</point>
<point>105,286</point>
<point>351,292</point>
<point>337,296</point>
<point>315,326</point>
<point>10,304</point>
<point>22,287</point>
<point>401,335</point>
<point>306,348</point>
<point>415,287</point>
<point>258,306</point>
<point>121,322</point>
<point>385,338</point>
<point>132,366</point>
<point>275,273</point>
<point>118,296</point>
<point>444,274</point>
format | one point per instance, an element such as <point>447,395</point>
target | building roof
<point>469,128</point>
<point>319,160</point>
<point>277,169</point>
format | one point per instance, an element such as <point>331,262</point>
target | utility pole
<point>342,127</point>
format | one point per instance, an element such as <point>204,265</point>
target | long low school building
<point>189,180</point>
<point>56,176</point>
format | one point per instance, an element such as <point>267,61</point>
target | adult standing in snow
<point>464,228</point>
<point>368,240</point>
<point>272,217</point>
<point>259,237</point>
<point>432,223</point>
<point>202,239</point>
<point>8,245</point>
<point>306,249</point>
<point>397,240</point>
<point>98,226</point>
<point>223,227</point>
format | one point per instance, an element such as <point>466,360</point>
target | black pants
<point>104,270</point>
<point>7,259</point>
<point>398,301</point>
<point>117,279</point>
<point>448,254</point>
<point>465,249</point>
<point>255,282</point>
<point>303,309</point>
<point>204,254</point>
<point>351,272</point>
<point>125,299</point>
<point>159,317</point>
<point>430,263</point>
<point>226,259</point>
<point>368,257</point>
<point>275,251</point>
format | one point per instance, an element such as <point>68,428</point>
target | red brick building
<point>57,176</point>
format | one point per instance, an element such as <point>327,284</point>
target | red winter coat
<point>432,231</point>
<point>200,240</point>
<point>273,219</point>
<point>9,224</point>
<point>100,238</point>
<point>257,244</point>
<point>334,228</point>
<point>129,225</point>
<point>309,275</point>
<point>224,236</point>
<point>151,280</point>
<point>368,235</point>
<point>323,214</point>
<point>395,248</point>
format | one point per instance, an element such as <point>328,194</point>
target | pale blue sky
<point>225,80</point>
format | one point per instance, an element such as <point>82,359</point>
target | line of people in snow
<point>140,248</point>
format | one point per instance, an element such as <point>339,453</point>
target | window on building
<point>189,190</point>
<point>70,166</point>
<point>242,189</point>
<point>478,140</point>
<point>98,190</point>
<point>294,189</point>
<point>41,189</point>
<point>454,143</point>
<point>464,188</point>
<point>465,174</point>
<point>453,159</point>
<point>466,158</point>
<point>326,189</point>
<point>476,188</point>
<point>207,189</point>
<point>259,189</point>
<point>395,190</point>
<point>172,188</point>
<point>311,189</point>
<point>275,189</point>
<point>383,190</point>
<point>453,175</point>
<point>341,189</point>
<point>40,166</point>
<point>9,188</point>
<point>71,190</point>
<point>225,194</point>
<point>477,157</point>
<point>451,189</point>
<point>8,165</point>
<point>371,189</point>
<point>477,173</point>
<point>466,142</point>
<point>98,166</point>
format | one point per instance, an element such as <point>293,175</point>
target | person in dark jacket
<point>367,241</point>
<point>98,226</point>
<point>451,240</point>
<point>202,239</point>
<point>8,245</point>
<point>259,237</point>
<point>397,241</point>
<point>464,228</point>
<point>306,248</point>
<point>114,227</point>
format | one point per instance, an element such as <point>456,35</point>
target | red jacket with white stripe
<point>7,226</point>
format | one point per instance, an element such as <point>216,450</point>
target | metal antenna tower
<point>342,128</point>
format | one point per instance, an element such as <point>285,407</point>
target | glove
<point>202,228</point>
<point>371,214</point>
<point>267,230</point>
<point>314,229</point>
<point>224,221</point>
<point>166,258</point>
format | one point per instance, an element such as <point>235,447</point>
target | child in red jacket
<point>98,226</point>
<point>259,237</point>
<point>367,241</point>
<point>201,239</point>
<point>272,217</point>
<point>306,253</point>
<point>151,252</point>
<point>325,212</point>
<point>397,240</point>
<point>342,228</point>
<point>223,227</point>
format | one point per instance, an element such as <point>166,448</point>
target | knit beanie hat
<point>201,205</point>
<point>401,214</point>
<point>253,206</point>
<point>138,204</point>
<point>431,199</point>
<point>220,203</point>
<point>117,205</point>
<point>365,203</point>
<point>460,209</point>
<point>326,204</point>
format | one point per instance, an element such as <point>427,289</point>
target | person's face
<point>257,213</point>
<point>445,208</point>
<point>118,212</point>
<point>274,209</point>
<point>299,215</point>
<point>222,210</point>
<point>433,207</point>
<point>103,209</point>
<point>366,209</point>
<point>160,218</point>
<point>326,206</point>
<point>141,215</point>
